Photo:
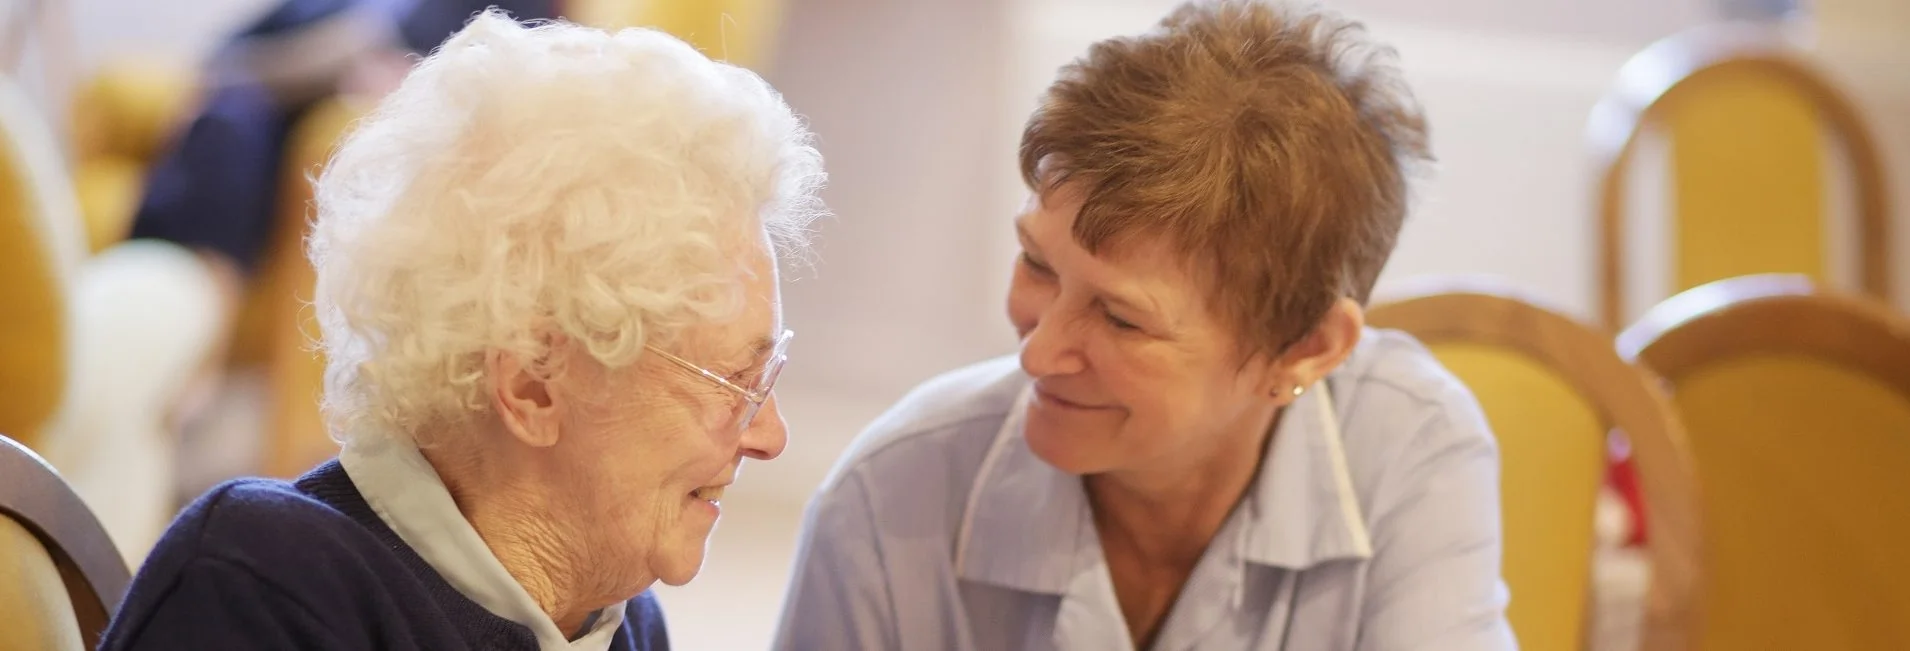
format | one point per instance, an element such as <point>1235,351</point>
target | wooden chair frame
<point>1652,76</point>
<point>95,575</point>
<point>1766,314</point>
<point>1773,313</point>
<point>1626,398</point>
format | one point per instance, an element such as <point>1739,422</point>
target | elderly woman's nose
<point>767,435</point>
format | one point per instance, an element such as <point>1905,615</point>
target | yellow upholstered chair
<point>1553,390</point>
<point>121,118</point>
<point>1797,408</point>
<point>1746,120</point>
<point>40,250</point>
<point>742,32</point>
<point>60,577</point>
<point>276,327</point>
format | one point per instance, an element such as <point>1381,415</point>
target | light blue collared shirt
<point>1373,526</point>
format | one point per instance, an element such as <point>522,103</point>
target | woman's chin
<point>682,566</point>
<point>677,581</point>
<point>1065,453</point>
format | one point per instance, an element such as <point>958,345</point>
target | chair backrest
<point>62,581</point>
<point>40,250</point>
<point>1553,391</point>
<point>1745,120</point>
<point>1797,406</point>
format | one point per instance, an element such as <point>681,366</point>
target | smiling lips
<point>1063,402</point>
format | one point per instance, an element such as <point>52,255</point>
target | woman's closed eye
<point>1118,322</point>
<point>1035,265</point>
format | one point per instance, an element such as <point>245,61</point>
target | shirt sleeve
<point>839,593</point>
<point>1434,583</point>
<point>214,604</point>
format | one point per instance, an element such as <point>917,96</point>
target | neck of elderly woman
<point>512,499</point>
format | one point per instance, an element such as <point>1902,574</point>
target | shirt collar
<point>406,492</point>
<point>1303,510</point>
<point>1030,527</point>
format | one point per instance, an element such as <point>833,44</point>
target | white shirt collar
<point>406,492</point>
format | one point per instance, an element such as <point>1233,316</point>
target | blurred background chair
<point>1554,390</point>
<point>60,577</point>
<point>120,119</point>
<point>1746,121</point>
<point>41,247</point>
<point>1796,403</point>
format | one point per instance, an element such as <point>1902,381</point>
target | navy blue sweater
<point>262,564</point>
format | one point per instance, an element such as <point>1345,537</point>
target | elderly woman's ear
<point>1323,349</point>
<point>525,394</point>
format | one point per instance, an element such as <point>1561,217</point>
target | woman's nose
<point>1050,348</point>
<point>767,434</point>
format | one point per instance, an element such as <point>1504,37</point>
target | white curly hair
<point>530,180</point>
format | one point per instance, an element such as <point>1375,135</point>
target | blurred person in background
<point>215,190</point>
<point>548,289</point>
<point>1200,445</point>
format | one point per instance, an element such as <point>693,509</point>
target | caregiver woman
<point>1200,445</point>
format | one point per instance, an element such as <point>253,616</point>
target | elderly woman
<point>548,287</point>
<point>1201,446</point>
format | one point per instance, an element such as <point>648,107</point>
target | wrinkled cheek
<point>717,419</point>
<point>631,528</point>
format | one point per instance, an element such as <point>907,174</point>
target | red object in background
<point>1623,477</point>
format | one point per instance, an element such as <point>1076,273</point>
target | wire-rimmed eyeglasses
<point>758,390</point>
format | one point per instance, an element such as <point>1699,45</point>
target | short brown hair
<point>1271,144</point>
